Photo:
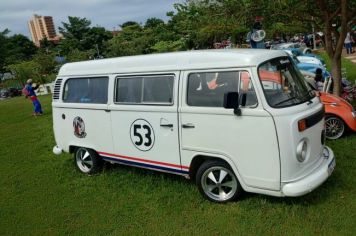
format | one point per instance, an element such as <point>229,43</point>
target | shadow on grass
<point>319,195</point>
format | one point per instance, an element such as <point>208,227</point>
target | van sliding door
<point>145,122</point>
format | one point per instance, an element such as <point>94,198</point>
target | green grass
<point>345,63</point>
<point>44,194</point>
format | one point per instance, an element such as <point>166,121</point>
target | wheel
<point>307,51</point>
<point>334,126</point>
<point>217,182</point>
<point>87,160</point>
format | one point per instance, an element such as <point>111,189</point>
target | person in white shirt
<point>348,43</point>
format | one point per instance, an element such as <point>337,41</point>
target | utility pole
<point>97,49</point>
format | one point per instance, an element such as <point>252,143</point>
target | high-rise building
<point>42,27</point>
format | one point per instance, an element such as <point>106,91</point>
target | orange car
<point>339,115</point>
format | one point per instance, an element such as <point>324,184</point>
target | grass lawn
<point>44,194</point>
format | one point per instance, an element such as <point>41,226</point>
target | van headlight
<point>302,150</point>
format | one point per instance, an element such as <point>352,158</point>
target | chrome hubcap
<point>84,160</point>
<point>334,128</point>
<point>219,183</point>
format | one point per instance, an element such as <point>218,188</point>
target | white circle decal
<point>142,135</point>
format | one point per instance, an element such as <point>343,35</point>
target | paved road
<point>351,57</point>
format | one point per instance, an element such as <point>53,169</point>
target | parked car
<point>340,116</point>
<point>297,53</point>
<point>301,47</point>
<point>310,67</point>
<point>312,60</point>
<point>318,40</point>
<point>14,92</point>
<point>4,93</point>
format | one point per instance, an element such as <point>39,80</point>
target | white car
<point>301,47</point>
<point>312,60</point>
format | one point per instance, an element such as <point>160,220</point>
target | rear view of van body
<point>231,120</point>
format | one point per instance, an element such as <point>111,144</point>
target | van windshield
<point>282,83</point>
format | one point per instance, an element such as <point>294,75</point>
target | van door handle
<point>188,125</point>
<point>165,123</point>
<point>107,110</point>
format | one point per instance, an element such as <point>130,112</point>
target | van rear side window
<point>86,90</point>
<point>157,89</point>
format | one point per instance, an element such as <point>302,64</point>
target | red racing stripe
<point>143,160</point>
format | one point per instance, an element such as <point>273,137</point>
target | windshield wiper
<point>308,97</point>
<point>284,101</point>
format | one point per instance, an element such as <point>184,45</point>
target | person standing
<point>31,93</point>
<point>348,43</point>
<point>319,85</point>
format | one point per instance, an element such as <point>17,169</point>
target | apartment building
<point>42,27</point>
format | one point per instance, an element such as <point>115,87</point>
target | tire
<point>87,160</point>
<point>334,127</point>
<point>215,187</point>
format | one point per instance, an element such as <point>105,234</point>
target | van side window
<point>247,91</point>
<point>86,90</point>
<point>207,89</point>
<point>157,89</point>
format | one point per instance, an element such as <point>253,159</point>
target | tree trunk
<point>334,52</point>
<point>336,72</point>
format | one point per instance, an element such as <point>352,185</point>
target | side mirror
<point>231,101</point>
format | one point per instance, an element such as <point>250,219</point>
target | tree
<point>47,44</point>
<point>45,61</point>
<point>3,49</point>
<point>154,23</point>
<point>335,15</point>
<point>129,23</point>
<point>79,35</point>
<point>80,55</point>
<point>168,46</point>
<point>96,38</point>
<point>74,33</point>
<point>25,70</point>
<point>130,41</point>
<point>14,49</point>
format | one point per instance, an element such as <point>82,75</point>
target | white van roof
<point>188,60</point>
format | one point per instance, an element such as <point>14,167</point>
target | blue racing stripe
<point>144,165</point>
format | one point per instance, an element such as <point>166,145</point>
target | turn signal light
<point>302,125</point>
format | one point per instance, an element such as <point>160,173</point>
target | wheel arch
<point>72,148</point>
<point>307,50</point>
<point>199,159</point>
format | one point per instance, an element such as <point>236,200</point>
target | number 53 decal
<point>142,135</point>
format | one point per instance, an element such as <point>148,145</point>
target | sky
<point>14,14</point>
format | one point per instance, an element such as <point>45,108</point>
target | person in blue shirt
<point>31,93</point>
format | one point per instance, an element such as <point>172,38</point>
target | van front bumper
<point>313,180</point>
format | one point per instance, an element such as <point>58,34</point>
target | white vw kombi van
<point>231,120</point>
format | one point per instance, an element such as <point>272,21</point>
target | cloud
<point>14,15</point>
